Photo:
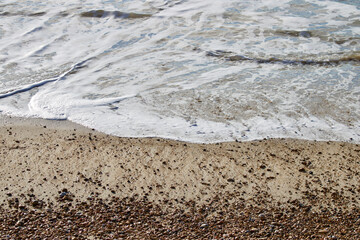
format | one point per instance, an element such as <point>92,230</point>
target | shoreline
<point>6,120</point>
<point>51,164</point>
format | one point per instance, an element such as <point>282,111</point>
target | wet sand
<point>59,179</point>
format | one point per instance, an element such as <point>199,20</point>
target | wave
<point>62,76</point>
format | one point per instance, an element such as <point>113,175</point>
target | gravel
<point>132,218</point>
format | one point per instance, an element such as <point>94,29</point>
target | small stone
<point>37,204</point>
<point>253,230</point>
<point>323,231</point>
<point>204,225</point>
<point>79,213</point>
<point>20,223</point>
<point>22,207</point>
<point>63,194</point>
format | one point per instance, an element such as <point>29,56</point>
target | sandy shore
<point>257,189</point>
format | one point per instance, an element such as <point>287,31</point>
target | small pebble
<point>204,225</point>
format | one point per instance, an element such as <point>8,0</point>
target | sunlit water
<point>196,70</point>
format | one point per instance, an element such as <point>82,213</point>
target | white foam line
<point>41,83</point>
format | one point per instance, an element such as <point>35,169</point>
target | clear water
<point>196,70</point>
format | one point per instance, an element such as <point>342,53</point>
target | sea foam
<point>196,71</point>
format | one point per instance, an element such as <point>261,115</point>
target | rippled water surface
<point>202,71</point>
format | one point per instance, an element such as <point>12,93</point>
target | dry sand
<point>270,189</point>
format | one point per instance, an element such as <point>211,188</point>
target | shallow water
<point>190,70</point>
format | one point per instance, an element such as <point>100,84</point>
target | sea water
<point>192,70</point>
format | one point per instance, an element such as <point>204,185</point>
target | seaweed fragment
<point>354,58</point>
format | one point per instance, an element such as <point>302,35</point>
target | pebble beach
<point>175,119</point>
<point>63,181</point>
